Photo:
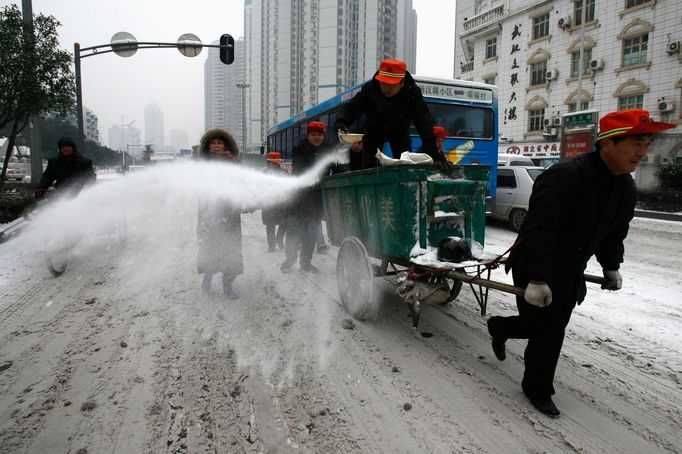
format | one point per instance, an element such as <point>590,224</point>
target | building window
<point>541,26</point>
<point>538,73</point>
<point>579,11</point>
<point>489,80</point>
<point>630,102</point>
<point>635,50</point>
<point>575,58</point>
<point>535,119</point>
<point>491,48</point>
<point>633,3</point>
<point>583,106</point>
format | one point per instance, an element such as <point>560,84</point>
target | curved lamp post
<point>125,45</point>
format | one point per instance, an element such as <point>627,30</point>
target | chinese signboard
<point>576,143</point>
<point>580,119</point>
<point>435,90</point>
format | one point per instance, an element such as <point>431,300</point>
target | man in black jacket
<point>390,101</point>
<point>69,170</point>
<point>305,212</point>
<point>577,209</point>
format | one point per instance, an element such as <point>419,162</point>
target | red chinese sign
<point>576,143</point>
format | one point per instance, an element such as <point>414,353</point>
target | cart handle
<point>518,291</point>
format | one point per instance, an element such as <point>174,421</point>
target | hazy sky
<point>117,88</point>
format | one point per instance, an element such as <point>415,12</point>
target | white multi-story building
<point>223,91</point>
<point>178,139</point>
<point>91,126</point>
<point>301,52</point>
<point>531,51</point>
<point>126,138</point>
<point>153,124</point>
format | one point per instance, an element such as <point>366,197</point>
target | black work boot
<point>544,405</point>
<point>497,341</point>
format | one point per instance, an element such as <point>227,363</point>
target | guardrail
<point>484,18</point>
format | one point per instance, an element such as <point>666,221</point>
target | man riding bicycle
<point>68,170</point>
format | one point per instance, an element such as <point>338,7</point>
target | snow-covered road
<point>123,353</point>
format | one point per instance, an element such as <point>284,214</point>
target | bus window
<point>332,138</point>
<point>462,121</point>
<point>358,126</point>
<point>289,145</point>
<point>279,143</point>
<point>297,134</point>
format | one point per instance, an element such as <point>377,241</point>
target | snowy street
<point>124,353</point>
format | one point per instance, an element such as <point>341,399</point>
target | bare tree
<point>35,74</point>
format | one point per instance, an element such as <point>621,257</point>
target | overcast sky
<point>117,89</point>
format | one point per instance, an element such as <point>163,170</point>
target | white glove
<point>539,294</point>
<point>613,280</point>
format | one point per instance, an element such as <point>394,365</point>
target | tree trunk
<point>8,154</point>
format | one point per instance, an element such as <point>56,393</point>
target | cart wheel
<point>354,275</point>
<point>57,266</point>
<point>455,288</point>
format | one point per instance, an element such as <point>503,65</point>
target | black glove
<point>39,193</point>
<point>443,165</point>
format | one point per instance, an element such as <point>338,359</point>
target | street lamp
<point>123,142</point>
<point>125,45</point>
<point>243,87</point>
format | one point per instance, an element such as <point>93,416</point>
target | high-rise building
<point>224,92</point>
<point>300,53</point>
<point>406,46</point>
<point>153,124</point>
<point>531,50</point>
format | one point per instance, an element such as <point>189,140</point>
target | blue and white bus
<point>467,110</point>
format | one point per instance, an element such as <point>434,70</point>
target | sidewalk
<point>658,215</point>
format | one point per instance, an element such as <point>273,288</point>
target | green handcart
<point>387,212</point>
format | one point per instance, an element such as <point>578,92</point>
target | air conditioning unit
<point>552,74</point>
<point>666,105</point>
<point>673,47</point>
<point>564,22</point>
<point>556,122</point>
<point>547,122</point>
<point>596,64</point>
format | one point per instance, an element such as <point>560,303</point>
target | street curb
<point>658,215</point>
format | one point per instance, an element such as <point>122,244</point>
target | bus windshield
<point>462,121</point>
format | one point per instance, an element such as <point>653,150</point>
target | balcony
<point>467,67</point>
<point>484,18</point>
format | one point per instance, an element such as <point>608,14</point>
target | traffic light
<point>226,49</point>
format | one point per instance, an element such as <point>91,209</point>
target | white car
<point>15,173</point>
<point>514,185</point>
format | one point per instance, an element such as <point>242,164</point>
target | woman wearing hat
<point>305,211</point>
<point>276,215</point>
<point>219,226</point>
<point>578,208</point>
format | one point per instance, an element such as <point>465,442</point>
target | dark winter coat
<point>275,215</point>
<point>308,201</point>
<point>388,119</point>
<point>68,172</point>
<point>577,209</point>
<point>219,224</point>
